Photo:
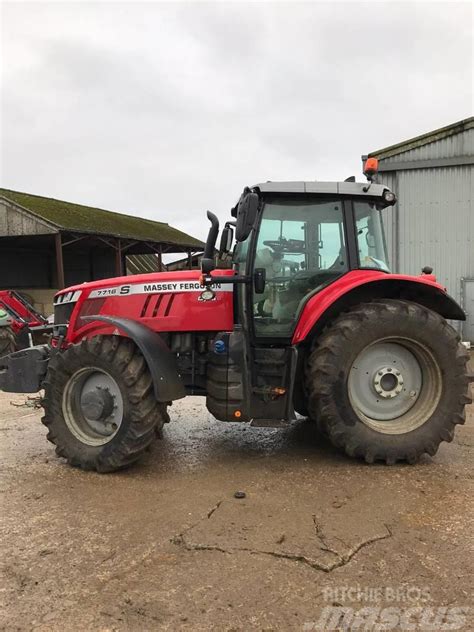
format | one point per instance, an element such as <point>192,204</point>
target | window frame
<point>245,292</point>
<point>384,239</point>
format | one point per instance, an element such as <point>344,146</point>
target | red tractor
<point>20,322</point>
<point>308,320</point>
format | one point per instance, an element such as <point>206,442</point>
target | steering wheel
<point>278,280</point>
<point>285,245</point>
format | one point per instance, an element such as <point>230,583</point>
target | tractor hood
<point>118,285</point>
<point>162,301</point>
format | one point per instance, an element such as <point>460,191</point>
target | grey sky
<point>165,110</point>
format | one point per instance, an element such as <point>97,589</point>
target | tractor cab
<point>297,246</point>
<point>293,239</point>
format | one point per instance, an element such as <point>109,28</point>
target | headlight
<point>389,197</point>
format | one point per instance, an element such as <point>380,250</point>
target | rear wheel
<point>388,381</point>
<point>7,341</point>
<point>100,408</point>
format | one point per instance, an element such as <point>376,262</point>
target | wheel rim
<point>394,385</point>
<point>93,406</point>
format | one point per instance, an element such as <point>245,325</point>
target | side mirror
<point>259,278</point>
<point>246,215</point>
<point>227,237</point>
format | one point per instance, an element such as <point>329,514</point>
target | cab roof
<point>328,188</point>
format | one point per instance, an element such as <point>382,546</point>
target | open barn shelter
<point>48,244</point>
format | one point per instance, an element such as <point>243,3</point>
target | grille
<point>156,303</point>
<point>90,307</point>
<point>62,313</point>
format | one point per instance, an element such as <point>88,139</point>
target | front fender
<point>161,362</point>
<point>361,286</point>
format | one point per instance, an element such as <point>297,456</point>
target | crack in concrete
<point>179,537</point>
<point>215,508</point>
<point>342,558</point>
<point>324,546</point>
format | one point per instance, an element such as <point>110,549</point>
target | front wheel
<point>387,381</point>
<point>7,341</point>
<point>99,404</point>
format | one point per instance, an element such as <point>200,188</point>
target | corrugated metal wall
<point>436,224</point>
<point>433,220</point>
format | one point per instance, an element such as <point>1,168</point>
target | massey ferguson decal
<point>157,288</point>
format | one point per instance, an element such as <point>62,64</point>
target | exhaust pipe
<point>207,261</point>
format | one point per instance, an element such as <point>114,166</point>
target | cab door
<point>301,245</point>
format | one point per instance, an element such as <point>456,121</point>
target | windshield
<point>301,247</point>
<point>370,237</point>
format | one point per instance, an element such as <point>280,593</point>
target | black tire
<point>336,353</point>
<point>142,417</point>
<point>7,341</point>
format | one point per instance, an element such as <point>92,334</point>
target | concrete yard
<point>166,546</point>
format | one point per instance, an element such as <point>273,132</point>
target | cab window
<point>301,247</point>
<point>370,237</point>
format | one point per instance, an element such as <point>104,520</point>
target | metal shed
<point>47,244</point>
<point>433,220</point>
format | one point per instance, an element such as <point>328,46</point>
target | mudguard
<point>167,382</point>
<point>358,286</point>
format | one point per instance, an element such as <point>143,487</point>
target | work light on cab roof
<point>371,166</point>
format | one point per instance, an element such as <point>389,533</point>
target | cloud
<point>164,109</point>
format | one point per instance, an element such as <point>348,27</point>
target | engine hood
<point>177,281</point>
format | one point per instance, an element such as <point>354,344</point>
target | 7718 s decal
<point>156,288</point>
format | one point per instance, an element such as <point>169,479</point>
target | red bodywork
<point>320,302</point>
<point>23,314</point>
<point>171,301</point>
<point>163,301</point>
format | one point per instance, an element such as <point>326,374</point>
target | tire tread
<point>323,369</point>
<point>146,417</point>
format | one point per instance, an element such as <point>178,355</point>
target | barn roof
<point>87,219</point>
<point>424,139</point>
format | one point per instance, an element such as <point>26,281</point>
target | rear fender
<point>347,292</point>
<point>161,362</point>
